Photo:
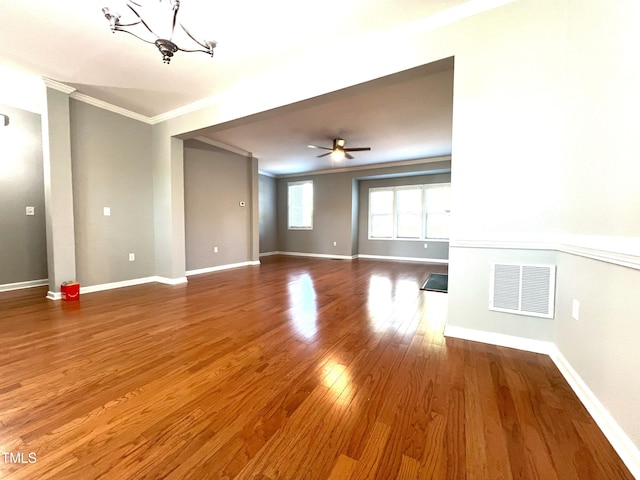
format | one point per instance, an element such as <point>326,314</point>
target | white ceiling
<point>407,116</point>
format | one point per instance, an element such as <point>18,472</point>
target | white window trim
<point>302,182</point>
<point>395,237</point>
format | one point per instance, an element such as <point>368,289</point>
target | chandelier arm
<point>194,39</point>
<point>142,21</point>
<point>192,51</point>
<point>135,3</point>
<point>175,18</point>
<point>129,24</point>
<point>137,36</point>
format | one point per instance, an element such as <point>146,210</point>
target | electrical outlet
<point>132,257</point>
<point>335,244</point>
<point>426,245</point>
<point>215,249</point>
<point>31,211</point>
<point>242,204</point>
<point>107,211</point>
<point>575,309</point>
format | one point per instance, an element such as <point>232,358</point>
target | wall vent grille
<point>523,289</point>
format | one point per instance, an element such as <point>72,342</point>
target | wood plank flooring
<point>294,369</point>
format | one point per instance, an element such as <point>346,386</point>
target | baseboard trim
<point>268,254</point>
<point>218,268</point>
<point>622,444</point>
<point>170,281</point>
<point>405,259</point>
<point>113,285</point>
<point>501,340</point>
<point>7,287</point>
<point>318,255</point>
<point>54,295</point>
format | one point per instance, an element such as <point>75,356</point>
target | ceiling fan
<point>338,152</point>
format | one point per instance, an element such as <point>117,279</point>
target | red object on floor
<point>70,291</point>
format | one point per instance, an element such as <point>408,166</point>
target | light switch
<point>31,210</point>
<point>107,211</point>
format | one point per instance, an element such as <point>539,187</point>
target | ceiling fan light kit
<point>338,152</point>
<point>140,28</point>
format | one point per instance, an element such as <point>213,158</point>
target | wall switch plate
<point>107,211</point>
<point>243,204</point>
<point>132,257</point>
<point>215,249</point>
<point>575,309</point>
<point>31,210</point>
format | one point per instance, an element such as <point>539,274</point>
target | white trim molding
<point>61,87</point>
<point>171,281</point>
<point>54,295</point>
<point>113,285</point>
<point>317,255</point>
<point>622,444</point>
<point>218,268</point>
<point>621,251</point>
<point>267,254</point>
<point>501,340</point>
<point>404,259</point>
<point>7,287</point>
<point>110,107</point>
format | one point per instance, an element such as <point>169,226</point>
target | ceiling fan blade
<point>324,154</point>
<point>350,157</point>
<point>323,148</point>
<point>357,149</point>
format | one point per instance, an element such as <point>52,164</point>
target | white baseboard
<point>218,268</point>
<point>54,295</point>
<point>318,255</point>
<point>519,343</point>
<point>267,254</point>
<point>7,287</point>
<point>405,259</point>
<point>112,285</point>
<point>622,444</point>
<point>170,281</point>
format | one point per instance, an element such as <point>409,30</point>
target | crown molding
<point>189,108</point>
<point>110,107</point>
<point>61,87</point>
<point>372,166</point>
<point>223,146</point>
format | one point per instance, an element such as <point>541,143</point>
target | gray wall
<point>267,213</point>
<point>336,216</point>
<point>111,165</point>
<point>23,243</point>
<point>215,182</point>
<point>331,216</point>
<point>438,250</point>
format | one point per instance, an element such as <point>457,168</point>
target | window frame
<point>289,206</point>
<point>395,213</point>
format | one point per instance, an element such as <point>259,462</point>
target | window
<point>300,195</point>
<point>414,212</point>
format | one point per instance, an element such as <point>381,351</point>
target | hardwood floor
<point>296,369</point>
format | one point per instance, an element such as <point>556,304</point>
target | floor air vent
<point>523,289</point>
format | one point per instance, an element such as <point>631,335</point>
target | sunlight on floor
<point>303,306</point>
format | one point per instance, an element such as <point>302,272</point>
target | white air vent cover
<point>523,289</point>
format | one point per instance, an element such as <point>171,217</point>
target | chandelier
<point>141,29</point>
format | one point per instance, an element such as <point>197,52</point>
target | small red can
<point>70,291</point>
